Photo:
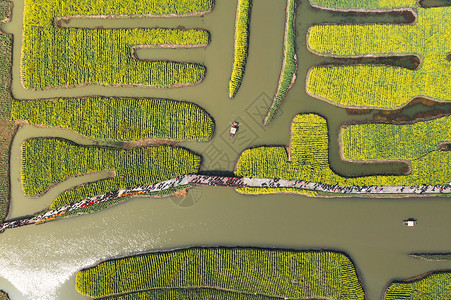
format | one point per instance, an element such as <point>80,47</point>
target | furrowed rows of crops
<point>276,273</point>
<point>241,49</point>
<point>364,4</point>
<point>81,56</point>
<point>120,119</point>
<point>189,294</point>
<point>379,86</point>
<point>309,157</point>
<point>49,161</point>
<point>289,64</point>
<point>431,286</point>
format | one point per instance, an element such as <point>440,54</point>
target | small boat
<point>410,222</point>
<point>234,129</point>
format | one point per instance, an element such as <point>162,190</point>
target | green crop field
<point>381,86</point>
<point>189,294</point>
<point>59,57</point>
<point>49,161</point>
<point>431,286</point>
<point>289,64</point>
<point>309,156</point>
<point>120,119</point>
<point>275,273</point>
<point>6,126</point>
<point>243,16</point>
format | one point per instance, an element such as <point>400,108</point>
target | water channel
<point>40,262</point>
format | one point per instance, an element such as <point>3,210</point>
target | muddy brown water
<point>40,262</point>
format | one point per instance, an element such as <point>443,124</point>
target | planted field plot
<point>379,86</point>
<point>277,273</point>
<point>46,162</point>
<point>374,141</point>
<point>289,63</point>
<point>308,159</point>
<point>241,49</point>
<point>189,294</point>
<point>120,119</point>
<point>59,57</point>
<point>428,286</point>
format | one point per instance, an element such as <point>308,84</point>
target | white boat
<point>234,129</point>
<point>409,222</point>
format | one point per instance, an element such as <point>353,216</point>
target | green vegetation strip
<point>46,162</point>
<point>309,154</point>
<point>379,86</point>
<point>189,294</point>
<point>428,286</point>
<point>60,57</point>
<point>289,63</point>
<point>243,15</point>
<point>120,119</point>
<point>274,273</point>
<point>6,126</point>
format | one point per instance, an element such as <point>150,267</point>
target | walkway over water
<point>192,180</point>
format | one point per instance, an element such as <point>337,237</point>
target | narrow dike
<point>235,182</point>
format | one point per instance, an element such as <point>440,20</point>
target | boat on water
<point>409,222</point>
<point>234,129</point>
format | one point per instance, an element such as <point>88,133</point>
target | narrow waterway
<point>39,262</point>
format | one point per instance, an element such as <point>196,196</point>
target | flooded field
<point>40,262</point>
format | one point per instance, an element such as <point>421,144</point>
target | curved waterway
<point>40,262</point>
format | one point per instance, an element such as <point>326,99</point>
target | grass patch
<point>46,162</point>
<point>59,57</point>
<point>289,63</point>
<point>428,286</point>
<point>309,157</point>
<point>379,86</point>
<point>274,273</point>
<point>241,49</point>
<point>120,119</point>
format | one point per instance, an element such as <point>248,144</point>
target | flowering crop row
<point>120,119</point>
<point>379,86</point>
<point>309,156</point>
<point>289,64</point>
<point>431,286</point>
<point>276,273</point>
<point>189,294</point>
<point>53,56</point>
<point>49,161</point>
<point>243,15</point>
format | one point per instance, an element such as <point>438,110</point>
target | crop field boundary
<point>415,279</point>
<point>288,46</point>
<point>407,162</point>
<point>324,251</point>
